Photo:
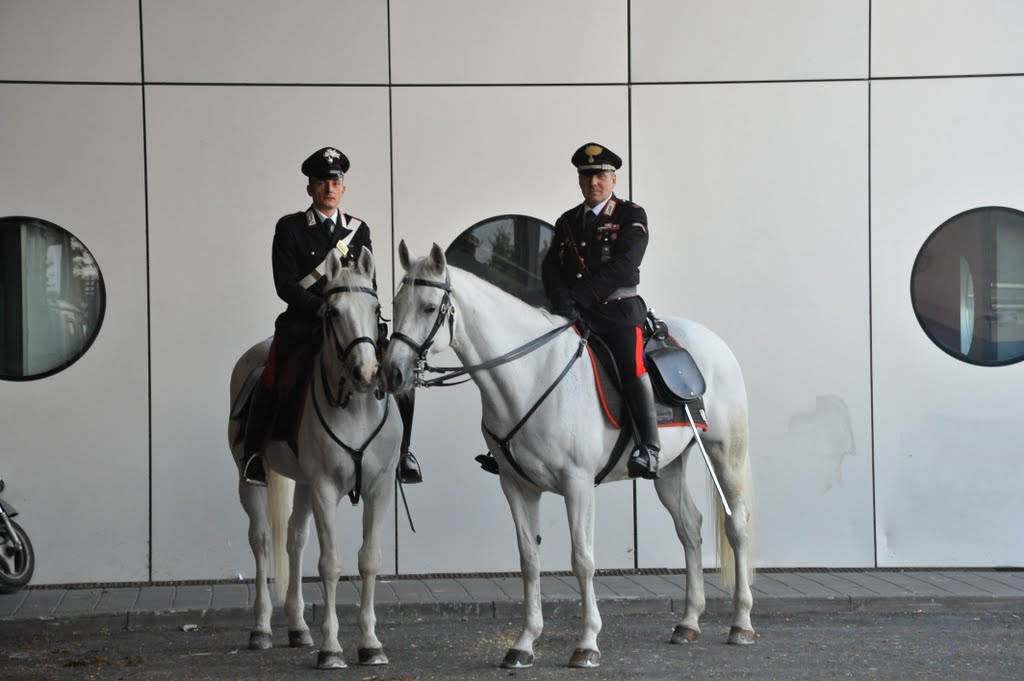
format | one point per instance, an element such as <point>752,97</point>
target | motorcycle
<point>17,560</point>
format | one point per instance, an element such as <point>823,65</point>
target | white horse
<point>340,416</point>
<point>564,444</point>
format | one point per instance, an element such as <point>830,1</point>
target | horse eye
<point>431,307</point>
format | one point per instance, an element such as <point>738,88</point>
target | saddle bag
<point>675,372</point>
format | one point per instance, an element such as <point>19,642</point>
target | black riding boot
<point>408,467</point>
<point>640,398</point>
<point>262,412</point>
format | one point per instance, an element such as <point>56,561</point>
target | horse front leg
<point>579,505</point>
<point>325,502</point>
<point>298,535</point>
<point>376,502</point>
<point>254,501</point>
<point>525,506</point>
<point>675,496</point>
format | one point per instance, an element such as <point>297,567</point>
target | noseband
<point>341,399</point>
<point>446,310</point>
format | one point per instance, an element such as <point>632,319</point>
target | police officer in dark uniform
<point>591,271</point>
<point>301,244</point>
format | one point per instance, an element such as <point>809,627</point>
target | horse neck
<point>492,322</point>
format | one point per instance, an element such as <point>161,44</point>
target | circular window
<point>967,286</point>
<point>51,298</point>
<point>507,251</point>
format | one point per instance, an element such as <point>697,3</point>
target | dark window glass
<point>507,251</point>
<point>967,286</point>
<point>51,298</point>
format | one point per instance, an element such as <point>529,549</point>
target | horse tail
<point>745,495</point>
<point>279,508</point>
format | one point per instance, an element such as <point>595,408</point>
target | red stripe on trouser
<point>639,358</point>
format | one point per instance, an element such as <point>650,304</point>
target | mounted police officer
<point>592,270</point>
<point>301,244</point>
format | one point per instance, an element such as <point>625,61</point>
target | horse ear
<point>333,265</point>
<point>437,259</point>
<point>404,257</point>
<point>365,263</point>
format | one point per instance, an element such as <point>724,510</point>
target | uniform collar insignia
<point>310,218</point>
<point>609,207</point>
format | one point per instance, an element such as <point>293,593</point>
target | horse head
<point>422,309</point>
<point>352,311</point>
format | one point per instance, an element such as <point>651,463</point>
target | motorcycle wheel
<point>16,567</point>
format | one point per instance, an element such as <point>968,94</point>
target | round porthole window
<point>967,286</point>
<point>507,251</point>
<point>51,298</point>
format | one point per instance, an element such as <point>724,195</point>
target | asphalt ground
<point>916,644</point>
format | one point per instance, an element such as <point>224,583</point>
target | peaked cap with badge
<point>325,164</point>
<point>592,158</point>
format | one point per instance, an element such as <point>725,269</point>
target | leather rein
<point>342,399</point>
<point>446,309</point>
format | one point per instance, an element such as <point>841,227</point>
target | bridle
<point>445,311</point>
<point>341,398</point>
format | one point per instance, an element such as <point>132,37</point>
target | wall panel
<point>748,40</point>
<point>67,40</point>
<point>946,37</point>
<point>462,155</point>
<point>223,167</point>
<point>756,196</point>
<point>488,41</point>
<point>233,41</point>
<point>75,444</point>
<point>946,433</point>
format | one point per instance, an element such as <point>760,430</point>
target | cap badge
<point>332,155</point>
<point>591,151</point>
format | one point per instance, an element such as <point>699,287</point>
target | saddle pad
<point>670,414</point>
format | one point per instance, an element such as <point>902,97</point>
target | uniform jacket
<point>300,244</point>
<point>586,265</point>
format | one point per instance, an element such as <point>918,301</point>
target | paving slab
<point>449,591</point>
<point>193,597</point>
<point>985,582</point>
<point>40,603</point>
<point>78,602</point>
<point>804,586</point>
<point>230,596</point>
<point>768,587</point>
<point>9,603</point>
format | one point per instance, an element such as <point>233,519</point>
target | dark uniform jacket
<point>300,244</point>
<point>587,265</point>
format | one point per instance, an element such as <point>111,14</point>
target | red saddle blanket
<point>671,414</point>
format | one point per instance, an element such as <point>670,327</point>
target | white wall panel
<point>75,444</point>
<point>463,155</point>
<point>947,434</point>
<point>491,41</point>
<point>692,40</point>
<point>946,37</point>
<point>756,196</point>
<point>223,167</point>
<point>69,40</point>
<point>233,41</point>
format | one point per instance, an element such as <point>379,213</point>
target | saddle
<point>676,379</point>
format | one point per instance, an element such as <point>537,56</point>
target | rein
<point>447,309</point>
<point>341,399</point>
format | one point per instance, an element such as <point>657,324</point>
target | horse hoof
<point>738,636</point>
<point>585,659</point>
<point>260,640</point>
<point>371,656</point>
<point>517,659</point>
<point>683,634</point>
<point>326,660</point>
<point>300,639</point>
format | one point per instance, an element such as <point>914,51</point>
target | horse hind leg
<point>732,464</point>
<point>675,497</point>
<point>525,506</point>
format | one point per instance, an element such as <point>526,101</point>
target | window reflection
<point>967,286</point>
<point>51,298</point>
<point>507,251</point>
